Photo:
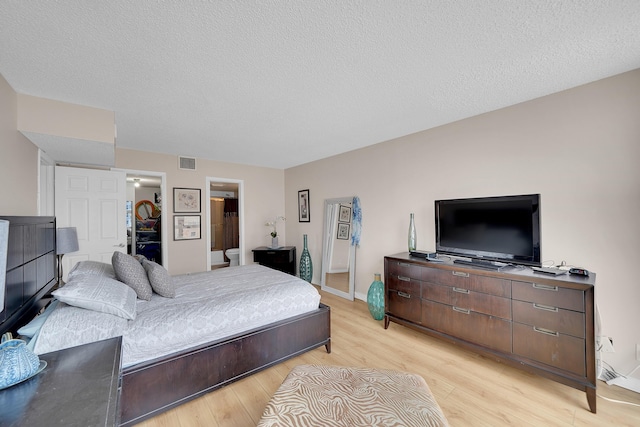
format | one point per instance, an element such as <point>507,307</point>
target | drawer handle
<point>545,307</point>
<point>545,331</point>
<point>460,274</point>
<point>461,310</point>
<point>404,295</point>
<point>460,290</point>
<point>404,279</point>
<point>545,287</point>
<point>270,253</point>
<point>404,264</point>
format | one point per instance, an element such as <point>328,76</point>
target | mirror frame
<point>325,260</point>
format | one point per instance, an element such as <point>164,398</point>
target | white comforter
<point>208,306</point>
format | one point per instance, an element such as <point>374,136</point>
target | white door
<point>93,201</point>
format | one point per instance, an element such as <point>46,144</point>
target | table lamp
<point>66,242</point>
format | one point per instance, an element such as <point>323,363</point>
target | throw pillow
<point>130,271</point>
<point>101,294</point>
<point>159,278</point>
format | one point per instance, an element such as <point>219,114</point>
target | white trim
<point>49,191</point>
<point>165,220</point>
<point>240,183</point>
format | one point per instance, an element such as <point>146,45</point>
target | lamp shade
<point>66,240</point>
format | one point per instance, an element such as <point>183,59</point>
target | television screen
<point>504,229</point>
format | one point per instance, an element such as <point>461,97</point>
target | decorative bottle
<point>412,234</point>
<point>375,298</point>
<point>306,267</point>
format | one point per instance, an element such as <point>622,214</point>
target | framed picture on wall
<point>186,200</point>
<point>345,214</point>
<point>304,214</point>
<point>186,227</point>
<point>343,231</point>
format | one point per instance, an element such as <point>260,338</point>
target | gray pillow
<point>159,278</point>
<point>99,294</point>
<point>92,268</point>
<point>129,271</point>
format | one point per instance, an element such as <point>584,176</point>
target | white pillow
<point>99,294</point>
<point>70,326</point>
<point>92,268</point>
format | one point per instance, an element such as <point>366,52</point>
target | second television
<point>504,229</point>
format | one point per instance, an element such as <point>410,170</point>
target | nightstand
<point>283,259</point>
<point>79,387</point>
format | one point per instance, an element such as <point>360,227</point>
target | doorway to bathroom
<point>224,222</point>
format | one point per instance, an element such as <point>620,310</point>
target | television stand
<point>479,263</point>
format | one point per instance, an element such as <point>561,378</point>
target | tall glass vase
<point>306,267</point>
<point>412,242</point>
<point>375,298</point>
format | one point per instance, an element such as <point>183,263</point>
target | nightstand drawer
<point>283,259</point>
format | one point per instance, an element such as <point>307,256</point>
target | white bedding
<point>208,306</point>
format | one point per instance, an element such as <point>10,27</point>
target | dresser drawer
<point>467,325</point>
<point>481,303</point>
<point>553,296</point>
<point>472,282</point>
<point>551,348</point>
<point>404,284</point>
<point>550,318</point>
<point>404,305</point>
<point>437,293</point>
<point>404,269</point>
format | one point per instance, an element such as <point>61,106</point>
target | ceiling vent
<point>187,163</point>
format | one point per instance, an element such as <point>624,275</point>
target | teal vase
<point>375,298</point>
<point>306,267</point>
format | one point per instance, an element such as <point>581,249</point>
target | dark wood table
<point>79,387</point>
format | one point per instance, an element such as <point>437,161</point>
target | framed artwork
<point>186,200</point>
<point>186,227</point>
<point>345,214</point>
<point>343,231</point>
<point>304,214</point>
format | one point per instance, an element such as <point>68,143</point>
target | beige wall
<point>579,149</point>
<point>263,200</point>
<point>18,160</point>
<point>51,117</point>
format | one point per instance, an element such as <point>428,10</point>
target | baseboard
<point>629,383</point>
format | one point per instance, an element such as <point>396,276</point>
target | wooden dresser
<point>540,323</point>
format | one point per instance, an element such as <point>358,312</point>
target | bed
<point>157,379</point>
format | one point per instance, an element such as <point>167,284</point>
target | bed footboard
<point>153,387</point>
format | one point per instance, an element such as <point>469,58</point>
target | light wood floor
<point>471,390</point>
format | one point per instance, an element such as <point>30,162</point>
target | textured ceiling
<point>282,83</point>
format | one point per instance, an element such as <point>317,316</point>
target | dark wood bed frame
<point>150,388</point>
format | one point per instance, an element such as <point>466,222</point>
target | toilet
<point>233,254</point>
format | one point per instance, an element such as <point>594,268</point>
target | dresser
<point>79,387</point>
<point>540,323</point>
<point>283,258</point>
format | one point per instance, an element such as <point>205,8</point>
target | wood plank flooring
<point>471,390</point>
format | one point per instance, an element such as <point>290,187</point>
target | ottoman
<point>313,395</point>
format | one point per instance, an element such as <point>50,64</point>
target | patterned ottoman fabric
<point>339,396</point>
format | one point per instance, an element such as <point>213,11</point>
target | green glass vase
<point>306,266</point>
<point>375,298</point>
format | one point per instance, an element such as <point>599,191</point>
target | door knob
<point>121,245</point>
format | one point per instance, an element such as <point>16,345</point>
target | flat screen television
<point>505,229</point>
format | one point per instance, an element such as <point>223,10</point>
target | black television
<point>491,230</point>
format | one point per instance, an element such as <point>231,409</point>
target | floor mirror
<point>338,255</point>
